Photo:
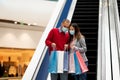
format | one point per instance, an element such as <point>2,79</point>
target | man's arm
<point>48,40</point>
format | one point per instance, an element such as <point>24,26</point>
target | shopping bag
<point>71,63</point>
<point>81,62</point>
<point>77,66</point>
<point>65,66</point>
<point>60,61</point>
<point>52,67</point>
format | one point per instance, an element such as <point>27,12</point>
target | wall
<point>28,11</point>
<point>18,38</point>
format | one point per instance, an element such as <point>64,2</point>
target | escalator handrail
<point>99,62</point>
<point>117,24</point>
<point>103,58</point>
<point>114,40</point>
<point>41,48</point>
<point>71,11</point>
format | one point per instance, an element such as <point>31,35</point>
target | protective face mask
<point>64,29</point>
<point>72,32</point>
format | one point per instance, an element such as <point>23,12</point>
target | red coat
<point>58,37</point>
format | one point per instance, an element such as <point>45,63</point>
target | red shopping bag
<point>83,66</point>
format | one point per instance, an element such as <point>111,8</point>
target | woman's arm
<point>83,47</point>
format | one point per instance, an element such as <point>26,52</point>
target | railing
<point>104,56</point>
<point>108,41</point>
<point>117,25</point>
<point>114,35</point>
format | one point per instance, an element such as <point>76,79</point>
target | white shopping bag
<point>71,63</point>
<point>60,55</point>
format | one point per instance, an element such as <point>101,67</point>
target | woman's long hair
<point>77,34</point>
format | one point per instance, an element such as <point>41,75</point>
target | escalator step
<point>85,16</point>
<point>86,12</point>
<point>87,2</point>
<point>86,6</point>
<point>84,9</point>
<point>91,52</point>
<point>91,76</point>
<point>91,40</point>
<point>85,20</point>
<point>91,25</point>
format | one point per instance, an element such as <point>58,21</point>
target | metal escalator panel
<point>118,1</point>
<point>118,20</point>
<point>86,15</point>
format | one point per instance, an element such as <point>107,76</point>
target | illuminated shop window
<point>13,62</point>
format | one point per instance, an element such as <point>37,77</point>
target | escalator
<point>86,15</point>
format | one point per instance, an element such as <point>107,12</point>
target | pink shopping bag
<point>77,66</point>
<point>83,66</point>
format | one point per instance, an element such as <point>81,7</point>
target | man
<point>57,39</point>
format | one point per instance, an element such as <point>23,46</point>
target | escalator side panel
<point>43,71</point>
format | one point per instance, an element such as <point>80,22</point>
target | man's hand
<point>66,46</point>
<point>53,45</point>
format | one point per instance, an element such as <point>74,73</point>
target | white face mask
<point>64,29</point>
<point>72,32</point>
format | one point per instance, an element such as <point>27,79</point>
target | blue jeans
<point>81,76</point>
<point>63,76</point>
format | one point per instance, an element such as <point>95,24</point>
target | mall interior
<point>25,24</point>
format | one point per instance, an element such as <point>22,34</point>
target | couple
<point>60,38</point>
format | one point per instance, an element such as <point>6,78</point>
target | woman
<point>77,42</point>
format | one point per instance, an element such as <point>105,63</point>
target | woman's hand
<point>75,48</point>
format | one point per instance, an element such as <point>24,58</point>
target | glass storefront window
<point>13,62</point>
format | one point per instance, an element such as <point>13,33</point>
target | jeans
<point>63,76</point>
<point>81,76</point>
